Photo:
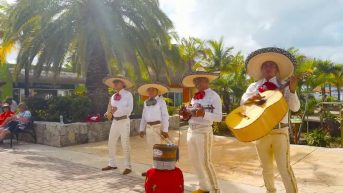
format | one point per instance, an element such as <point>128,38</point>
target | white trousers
<point>120,129</point>
<point>199,141</point>
<point>152,136</point>
<point>276,145</point>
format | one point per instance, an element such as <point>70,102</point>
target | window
<point>176,97</point>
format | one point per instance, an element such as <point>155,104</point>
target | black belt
<point>154,123</point>
<point>281,125</point>
<point>120,118</point>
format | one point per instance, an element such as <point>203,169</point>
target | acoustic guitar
<point>186,111</point>
<point>255,119</point>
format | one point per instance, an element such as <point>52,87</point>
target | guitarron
<point>256,119</point>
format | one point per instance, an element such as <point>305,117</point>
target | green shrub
<point>172,110</point>
<point>72,108</point>
<point>318,137</point>
<point>80,90</point>
<point>38,108</point>
<point>220,128</point>
<point>311,105</point>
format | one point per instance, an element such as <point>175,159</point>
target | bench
<point>28,130</point>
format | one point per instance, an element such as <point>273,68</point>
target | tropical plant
<point>218,57</point>
<point>318,137</point>
<point>192,51</point>
<point>93,36</point>
<point>337,79</point>
<point>323,73</point>
<point>80,90</point>
<point>232,82</point>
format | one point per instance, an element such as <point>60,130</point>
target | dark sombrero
<point>285,61</point>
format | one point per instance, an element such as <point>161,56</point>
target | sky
<point>315,27</point>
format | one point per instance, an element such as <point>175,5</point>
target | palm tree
<point>323,71</point>
<point>337,79</point>
<point>192,51</point>
<point>219,57</point>
<point>91,35</point>
<point>232,82</point>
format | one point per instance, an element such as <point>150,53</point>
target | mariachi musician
<point>271,67</point>
<point>204,108</point>
<point>155,118</point>
<point>119,109</point>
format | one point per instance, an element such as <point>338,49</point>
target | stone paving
<point>41,168</point>
<point>23,171</point>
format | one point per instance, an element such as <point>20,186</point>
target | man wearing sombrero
<point>119,109</point>
<point>204,108</point>
<point>271,67</point>
<point>155,117</point>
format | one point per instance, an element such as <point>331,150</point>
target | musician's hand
<point>293,84</point>
<point>114,109</point>
<point>199,113</point>
<point>165,134</point>
<point>142,134</point>
<point>255,97</point>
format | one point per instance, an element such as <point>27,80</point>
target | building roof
<point>50,78</point>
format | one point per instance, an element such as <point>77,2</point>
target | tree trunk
<point>323,93</point>
<point>27,84</point>
<point>330,90</point>
<point>97,70</point>
<point>338,93</point>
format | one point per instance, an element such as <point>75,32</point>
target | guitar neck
<point>299,77</point>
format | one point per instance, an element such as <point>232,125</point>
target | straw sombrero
<point>142,89</point>
<point>109,81</point>
<point>187,80</point>
<point>281,57</point>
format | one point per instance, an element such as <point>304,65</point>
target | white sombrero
<point>187,80</point>
<point>162,89</point>
<point>281,57</point>
<point>109,81</point>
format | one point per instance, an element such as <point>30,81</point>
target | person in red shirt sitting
<point>6,112</point>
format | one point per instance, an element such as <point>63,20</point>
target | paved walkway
<point>77,168</point>
<point>27,171</point>
<point>237,165</point>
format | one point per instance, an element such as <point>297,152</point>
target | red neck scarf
<point>267,86</point>
<point>116,96</point>
<point>199,95</point>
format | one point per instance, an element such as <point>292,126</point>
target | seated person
<point>18,121</point>
<point>13,104</point>
<point>6,113</point>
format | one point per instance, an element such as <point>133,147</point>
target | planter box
<point>61,135</point>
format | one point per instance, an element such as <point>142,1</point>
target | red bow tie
<point>199,95</point>
<point>116,97</point>
<point>267,86</point>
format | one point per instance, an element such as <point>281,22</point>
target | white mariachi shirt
<point>157,112</point>
<point>210,98</point>
<point>291,98</point>
<point>124,105</point>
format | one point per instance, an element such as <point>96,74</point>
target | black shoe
<point>127,171</point>
<point>108,168</point>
